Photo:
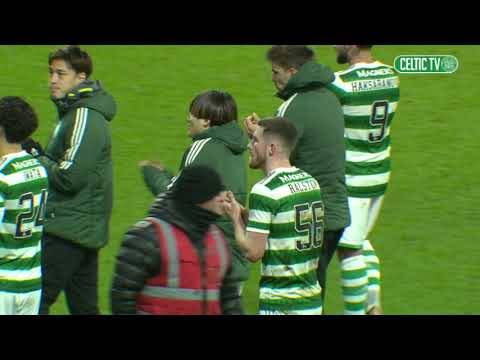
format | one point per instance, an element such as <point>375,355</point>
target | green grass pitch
<point>427,236</point>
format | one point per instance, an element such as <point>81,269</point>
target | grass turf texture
<point>426,236</point>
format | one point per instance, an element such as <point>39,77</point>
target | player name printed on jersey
<point>303,186</point>
<point>287,206</point>
<point>23,196</point>
<point>369,95</point>
<point>373,84</point>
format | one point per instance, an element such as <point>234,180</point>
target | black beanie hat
<point>197,184</point>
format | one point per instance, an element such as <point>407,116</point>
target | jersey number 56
<point>309,221</point>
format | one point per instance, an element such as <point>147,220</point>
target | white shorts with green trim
<point>364,213</point>
<point>20,303</point>
<point>317,311</point>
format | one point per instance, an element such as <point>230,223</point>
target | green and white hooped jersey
<point>287,206</point>
<point>369,94</point>
<point>23,195</point>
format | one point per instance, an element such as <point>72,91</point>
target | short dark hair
<point>283,129</point>
<point>217,106</point>
<point>17,118</point>
<point>290,56</point>
<point>75,57</point>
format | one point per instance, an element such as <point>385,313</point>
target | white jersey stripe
<point>315,311</point>
<point>355,282</point>
<point>290,270</point>
<point>21,275</point>
<point>259,216</point>
<point>288,243</point>
<point>9,229</point>
<point>255,230</point>
<point>15,204</point>
<point>361,134</point>
<point>368,180</point>
<point>284,217</point>
<point>21,253</point>
<point>288,293</point>
<point>365,110</point>
<point>357,156</point>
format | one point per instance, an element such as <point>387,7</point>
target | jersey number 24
<point>32,213</point>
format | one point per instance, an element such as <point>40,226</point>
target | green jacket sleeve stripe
<point>75,126</point>
<point>85,136</point>
<point>76,138</point>
<point>195,150</point>
<point>283,108</point>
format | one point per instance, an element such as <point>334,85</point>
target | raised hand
<point>232,208</point>
<point>251,123</point>
<point>33,147</point>
<point>153,163</point>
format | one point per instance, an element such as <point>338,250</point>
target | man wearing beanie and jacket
<point>174,262</point>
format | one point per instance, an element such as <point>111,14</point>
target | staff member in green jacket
<point>219,143</point>
<point>78,160</point>
<point>317,114</point>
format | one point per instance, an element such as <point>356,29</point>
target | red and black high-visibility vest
<point>188,284</point>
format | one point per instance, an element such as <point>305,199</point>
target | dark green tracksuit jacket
<point>318,117</point>
<point>223,149</point>
<point>79,166</point>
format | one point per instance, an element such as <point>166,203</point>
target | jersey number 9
<point>379,117</point>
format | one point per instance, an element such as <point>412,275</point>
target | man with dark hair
<point>218,142</point>
<point>79,163</point>
<point>284,224</point>
<point>23,196</point>
<point>289,58</point>
<point>369,91</point>
<point>175,261</point>
<point>316,112</point>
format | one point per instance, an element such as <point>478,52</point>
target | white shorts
<point>364,213</point>
<point>317,311</point>
<point>20,303</point>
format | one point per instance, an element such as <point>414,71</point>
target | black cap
<point>197,184</point>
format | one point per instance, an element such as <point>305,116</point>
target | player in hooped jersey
<point>284,224</point>
<point>369,93</point>
<point>23,196</point>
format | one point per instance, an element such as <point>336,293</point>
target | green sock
<point>354,285</point>
<point>373,271</point>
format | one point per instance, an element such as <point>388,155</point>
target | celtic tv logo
<point>449,64</point>
<point>426,64</point>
